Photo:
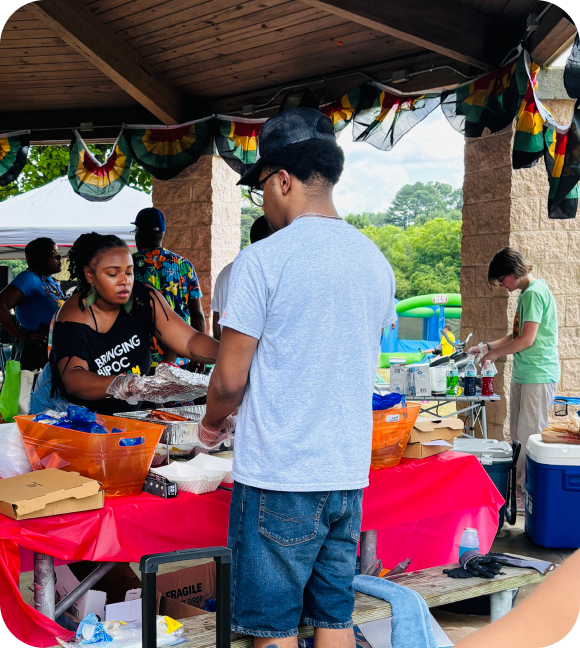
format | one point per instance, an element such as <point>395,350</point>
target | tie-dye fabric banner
<point>166,152</point>
<point>14,149</point>
<point>95,181</point>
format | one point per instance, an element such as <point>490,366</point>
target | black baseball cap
<point>288,127</point>
<point>150,219</point>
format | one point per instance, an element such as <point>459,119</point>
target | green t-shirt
<point>539,363</point>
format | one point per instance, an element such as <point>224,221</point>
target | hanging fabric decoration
<point>383,118</point>
<point>562,156</point>
<point>237,141</point>
<point>492,101</point>
<point>94,181</point>
<point>342,110</point>
<point>529,136</point>
<point>14,149</point>
<point>166,152</point>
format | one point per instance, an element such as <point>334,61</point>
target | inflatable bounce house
<point>433,310</point>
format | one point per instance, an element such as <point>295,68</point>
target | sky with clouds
<point>431,151</point>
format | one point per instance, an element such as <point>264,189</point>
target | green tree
<point>249,214</point>
<point>360,221</point>
<point>425,258</point>
<point>423,201</point>
<point>17,266</point>
<point>47,163</point>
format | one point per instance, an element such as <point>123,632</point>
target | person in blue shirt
<point>35,297</point>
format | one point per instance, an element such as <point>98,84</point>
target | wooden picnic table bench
<point>432,584</point>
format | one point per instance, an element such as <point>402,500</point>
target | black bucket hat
<point>288,127</point>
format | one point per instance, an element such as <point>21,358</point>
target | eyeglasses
<point>134,232</point>
<point>56,254</point>
<point>500,281</point>
<point>257,194</point>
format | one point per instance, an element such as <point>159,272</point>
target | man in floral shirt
<point>172,275</point>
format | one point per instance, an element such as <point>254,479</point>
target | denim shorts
<point>294,559</point>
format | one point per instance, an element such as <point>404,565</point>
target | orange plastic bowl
<point>121,470</point>
<point>391,432</point>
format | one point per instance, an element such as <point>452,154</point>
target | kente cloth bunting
<point>562,157</point>
<point>529,136</point>
<point>95,181</point>
<point>382,117</point>
<point>492,101</point>
<point>14,149</point>
<point>165,152</point>
<point>237,141</point>
<point>341,111</point>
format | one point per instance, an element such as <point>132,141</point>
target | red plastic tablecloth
<point>419,508</point>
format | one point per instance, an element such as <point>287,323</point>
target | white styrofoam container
<point>486,450</point>
<point>552,454</point>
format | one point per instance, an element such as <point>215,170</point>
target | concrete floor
<point>457,626</point>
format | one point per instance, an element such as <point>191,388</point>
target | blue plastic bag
<point>387,401</point>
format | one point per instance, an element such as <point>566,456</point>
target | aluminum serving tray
<point>176,433</point>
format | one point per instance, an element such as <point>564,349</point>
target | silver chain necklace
<point>318,215</point>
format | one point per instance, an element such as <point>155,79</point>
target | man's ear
<point>285,181</point>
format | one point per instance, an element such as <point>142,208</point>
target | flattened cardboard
<point>93,601</point>
<point>420,451</point>
<point>192,586</point>
<point>434,429</point>
<point>48,492</point>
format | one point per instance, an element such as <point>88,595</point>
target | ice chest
<point>496,457</point>
<point>553,493</point>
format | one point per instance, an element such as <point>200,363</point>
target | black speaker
<point>5,276</point>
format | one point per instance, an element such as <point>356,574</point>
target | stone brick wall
<point>506,207</point>
<point>202,209</point>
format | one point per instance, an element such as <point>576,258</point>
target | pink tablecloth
<point>420,509</point>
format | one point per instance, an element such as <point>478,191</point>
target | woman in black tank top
<point>103,330</point>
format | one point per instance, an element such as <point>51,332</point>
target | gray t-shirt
<point>316,295</point>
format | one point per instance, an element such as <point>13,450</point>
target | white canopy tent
<point>57,212</point>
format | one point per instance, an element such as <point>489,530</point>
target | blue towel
<point>411,626</point>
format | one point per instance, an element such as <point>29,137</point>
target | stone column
<point>202,209</point>
<point>507,207</point>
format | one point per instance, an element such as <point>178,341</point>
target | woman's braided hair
<point>86,248</point>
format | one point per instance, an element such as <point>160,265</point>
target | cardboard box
<point>48,492</point>
<point>421,381</point>
<point>401,379</point>
<point>432,429</point>
<point>192,586</point>
<point>422,450</point>
<point>178,610</point>
<point>93,601</point>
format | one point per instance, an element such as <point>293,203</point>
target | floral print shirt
<point>174,277</point>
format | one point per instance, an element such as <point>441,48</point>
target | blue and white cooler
<point>553,493</point>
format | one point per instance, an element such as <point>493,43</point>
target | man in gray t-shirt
<point>300,342</point>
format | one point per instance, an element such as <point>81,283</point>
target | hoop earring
<point>91,297</point>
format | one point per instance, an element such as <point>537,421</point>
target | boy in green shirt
<point>534,345</point>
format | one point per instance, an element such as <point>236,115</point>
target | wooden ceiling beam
<point>89,36</point>
<point>553,37</point>
<point>442,26</point>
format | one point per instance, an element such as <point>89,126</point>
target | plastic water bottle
<point>487,379</point>
<point>469,541</point>
<point>452,379</point>
<point>470,376</point>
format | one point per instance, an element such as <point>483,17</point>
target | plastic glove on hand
<point>474,350</point>
<point>211,438</point>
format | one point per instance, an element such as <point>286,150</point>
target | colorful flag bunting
<point>492,101</point>
<point>94,181</point>
<point>237,141</point>
<point>14,149</point>
<point>562,156</point>
<point>529,136</point>
<point>166,152</point>
<point>342,110</point>
<point>382,117</point>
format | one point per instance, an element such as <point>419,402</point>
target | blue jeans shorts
<point>294,559</point>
